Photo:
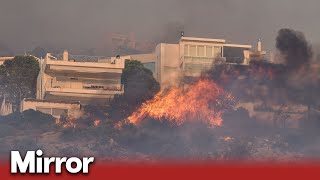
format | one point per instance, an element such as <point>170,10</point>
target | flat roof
<point>202,39</point>
<point>6,58</point>
<point>238,45</point>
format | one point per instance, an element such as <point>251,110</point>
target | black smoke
<point>294,47</point>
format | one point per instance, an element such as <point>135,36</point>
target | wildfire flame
<point>202,101</point>
<point>96,122</point>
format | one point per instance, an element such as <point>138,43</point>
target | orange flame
<point>200,102</point>
<point>96,123</point>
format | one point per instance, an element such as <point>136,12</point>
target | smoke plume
<point>294,48</point>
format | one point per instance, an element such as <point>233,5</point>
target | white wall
<point>167,64</point>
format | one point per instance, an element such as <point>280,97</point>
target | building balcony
<point>90,91</point>
<point>203,60</point>
<point>59,66</point>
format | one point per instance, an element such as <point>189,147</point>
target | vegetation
<point>140,86</point>
<point>28,120</point>
<point>19,78</point>
<point>21,130</point>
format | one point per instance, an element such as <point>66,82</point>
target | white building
<point>64,84</point>
<point>190,57</point>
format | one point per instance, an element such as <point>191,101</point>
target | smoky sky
<point>25,24</point>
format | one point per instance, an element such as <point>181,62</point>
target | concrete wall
<point>168,64</point>
<point>55,109</point>
<point>144,58</point>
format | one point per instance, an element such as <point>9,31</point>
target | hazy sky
<point>84,23</point>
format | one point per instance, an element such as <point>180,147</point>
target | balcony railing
<point>79,66</point>
<point>88,90</point>
<point>204,60</point>
<point>108,88</point>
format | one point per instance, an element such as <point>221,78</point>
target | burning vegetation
<point>204,102</point>
<point>270,89</point>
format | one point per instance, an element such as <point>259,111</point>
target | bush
<point>140,86</point>
<point>29,120</point>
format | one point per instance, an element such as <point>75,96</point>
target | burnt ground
<point>155,140</point>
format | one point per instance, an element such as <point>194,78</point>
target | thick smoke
<point>83,24</point>
<point>294,47</point>
<point>302,81</point>
<point>171,32</point>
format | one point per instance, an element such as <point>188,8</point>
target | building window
<point>53,111</point>
<point>192,50</point>
<point>209,51</point>
<point>217,51</point>
<point>200,51</point>
<point>151,66</point>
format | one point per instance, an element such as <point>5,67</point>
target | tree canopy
<point>139,86</point>
<point>19,78</point>
<point>139,82</point>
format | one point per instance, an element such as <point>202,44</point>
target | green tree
<point>19,78</point>
<point>139,86</point>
